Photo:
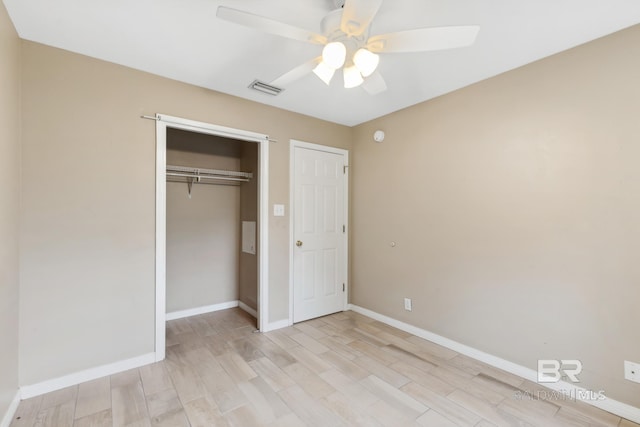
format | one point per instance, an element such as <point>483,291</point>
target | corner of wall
<point>10,159</point>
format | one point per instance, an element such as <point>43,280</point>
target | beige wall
<point>248,286</point>
<point>513,203</point>
<point>88,203</point>
<point>9,207</point>
<point>203,231</point>
<point>515,206</point>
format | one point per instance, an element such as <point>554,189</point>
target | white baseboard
<point>201,310</point>
<point>87,375</point>
<point>615,407</point>
<point>278,324</point>
<point>11,411</point>
<point>248,309</point>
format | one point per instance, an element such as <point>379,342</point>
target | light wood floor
<point>340,370</point>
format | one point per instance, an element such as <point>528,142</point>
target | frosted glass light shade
<point>352,77</point>
<point>334,54</point>
<point>366,61</point>
<point>324,72</point>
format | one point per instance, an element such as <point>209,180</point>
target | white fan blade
<point>357,15</point>
<point>269,25</point>
<point>297,73</point>
<point>424,39</point>
<point>374,84</point>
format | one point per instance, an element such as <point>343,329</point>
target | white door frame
<point>162,123</point>
<point>345,153</point>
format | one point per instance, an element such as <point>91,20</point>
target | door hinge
<point>344,228</point>
<point>344,169</point>
<point>343,287</point>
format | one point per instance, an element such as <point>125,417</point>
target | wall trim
<point>278,324</point>
<point>180,314</point>
<point>610,405</point>
<point>248,309</point>
<point>11,410</point>
<point>47,386</point>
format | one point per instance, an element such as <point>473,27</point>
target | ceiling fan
<point>347,44</point>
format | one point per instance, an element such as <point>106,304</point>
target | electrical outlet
<point>407,304</point>
<point>632,371</point>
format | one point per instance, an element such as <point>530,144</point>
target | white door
<point>319,231</point>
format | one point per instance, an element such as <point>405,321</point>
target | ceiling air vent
<point>265,88</point>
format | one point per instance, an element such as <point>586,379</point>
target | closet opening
<point>211,248</point>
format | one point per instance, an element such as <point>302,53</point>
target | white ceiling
<point>183,40</point>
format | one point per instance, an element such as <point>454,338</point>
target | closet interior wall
<point>249,212</point>
<point>203,255</point>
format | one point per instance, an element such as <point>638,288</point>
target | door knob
<point>299,243</point>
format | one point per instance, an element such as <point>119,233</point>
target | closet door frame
<point>163,122</point>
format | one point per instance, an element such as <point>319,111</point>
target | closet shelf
<point>199,174</point>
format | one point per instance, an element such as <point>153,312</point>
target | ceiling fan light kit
<point>352,77</point>
<point>366,61</point>
<point>324,72</point>
<point>346,41</point>
<point>334,55</point>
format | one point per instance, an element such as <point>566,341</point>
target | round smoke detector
<point>339,3</point>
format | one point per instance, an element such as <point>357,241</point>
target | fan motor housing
<point>331,28</point>
<point>331,22</point>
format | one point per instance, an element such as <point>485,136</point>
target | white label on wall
<point>249,237</point>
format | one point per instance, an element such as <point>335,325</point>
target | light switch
<point>278,210</point>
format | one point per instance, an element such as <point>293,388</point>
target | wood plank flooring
<point>340,370</point>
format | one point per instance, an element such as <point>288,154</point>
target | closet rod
<point>203,172</point>
<point>199,177</point>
